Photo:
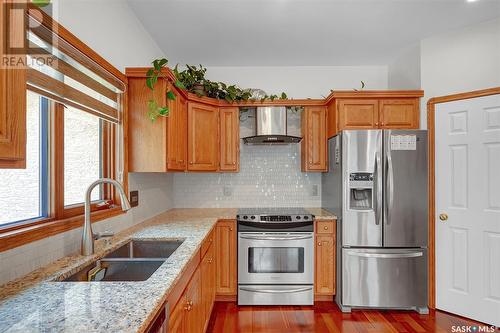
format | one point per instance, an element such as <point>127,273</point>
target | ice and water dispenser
<point>361,191</point>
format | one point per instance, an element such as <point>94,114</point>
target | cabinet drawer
<point>209,240</point>
<point>325,227</point>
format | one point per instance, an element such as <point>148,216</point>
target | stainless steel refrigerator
<point>377,185</point>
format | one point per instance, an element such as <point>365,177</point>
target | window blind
<point>63,73</point>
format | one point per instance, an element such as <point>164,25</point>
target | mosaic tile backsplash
<point>269,176</point>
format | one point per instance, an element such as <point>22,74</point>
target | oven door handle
<point>271,291</point>
<point>276,237</point>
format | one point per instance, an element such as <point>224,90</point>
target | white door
<point>468,191</point>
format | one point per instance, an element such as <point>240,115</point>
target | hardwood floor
<point>325,317</point>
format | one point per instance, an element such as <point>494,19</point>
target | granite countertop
<point>37,303</point>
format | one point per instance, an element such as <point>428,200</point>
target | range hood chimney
<point>270,124</point>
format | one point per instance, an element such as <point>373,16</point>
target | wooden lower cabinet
<point>208,278</point>
<point>176,320</point>
<point>324,277</point>
<point>226,258</point>
<point>192,312</point>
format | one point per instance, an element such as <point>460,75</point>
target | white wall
<point>303,81</point>
<point>404,70</point>
<point>111,29</point>
<point>459,61</point>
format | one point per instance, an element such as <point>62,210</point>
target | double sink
<point>136,260</point>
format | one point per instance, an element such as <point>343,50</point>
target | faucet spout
<point>87,234</point>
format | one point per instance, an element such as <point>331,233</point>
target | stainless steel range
<point>275,256</point>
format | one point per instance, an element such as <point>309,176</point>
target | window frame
<point>60,219</point>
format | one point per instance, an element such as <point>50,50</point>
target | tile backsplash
<point>269,176</point>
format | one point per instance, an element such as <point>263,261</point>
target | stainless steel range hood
<point>271,127</point>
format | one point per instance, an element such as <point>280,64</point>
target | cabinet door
<point>177,133</point>
<point>226,257</point>
<point>176,319</point>
<point>325,265</point>
<point>229,139</point>
<point>357,114</point>
<point>313,148</point>
<point>192,322</point>
<point>203,137</point>
<point>147,141</point>
<point>12,101</point>
<point>182,125</point>
<point>399,113</point>
<point>208,283</point>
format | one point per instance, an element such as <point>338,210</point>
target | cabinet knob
<point>443,217</point>
<point>230,229</point>
<point>325,227</point>
<point>191,163</point>
<point>319,243</point>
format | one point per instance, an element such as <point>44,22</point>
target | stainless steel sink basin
<point>117,270</point>
<point>146,249</point>
<point>136,260</point>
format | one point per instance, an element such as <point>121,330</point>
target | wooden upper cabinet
<point>229,139</point>
<point>396,109</point>
<point>147,140</point>
<point>314,138</point>
<point>203,137</point>
<point>177,134</point>
<point>225,257</point>
<point>399,113</point>
<point>12,101</point>
<point>357,113</point>
<point>12,118</point>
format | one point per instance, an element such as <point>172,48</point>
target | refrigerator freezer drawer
<point>275,294</point>
<point>384,278</point>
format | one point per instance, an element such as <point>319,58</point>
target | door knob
<point>443,216</point>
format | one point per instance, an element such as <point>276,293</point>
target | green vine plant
<point>192,79</point>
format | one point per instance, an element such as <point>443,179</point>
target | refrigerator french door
<point>377,185</point>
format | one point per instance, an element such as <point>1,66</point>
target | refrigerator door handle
<point>377,190</point>
<point>386,255</point>
<point>390,187</point>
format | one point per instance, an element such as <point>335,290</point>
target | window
<point>82,155</point>
<point>85,157</point>
<point>73,131</point>
<point>24,191</point>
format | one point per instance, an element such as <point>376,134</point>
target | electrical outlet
<point>228,191</point>
<point>134,198</point>
<point>315,191</point>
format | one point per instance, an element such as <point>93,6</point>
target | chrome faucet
<point>87,235</point>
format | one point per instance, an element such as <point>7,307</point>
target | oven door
<point>275,258</point>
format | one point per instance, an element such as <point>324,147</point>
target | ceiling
<point>299,32</point>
